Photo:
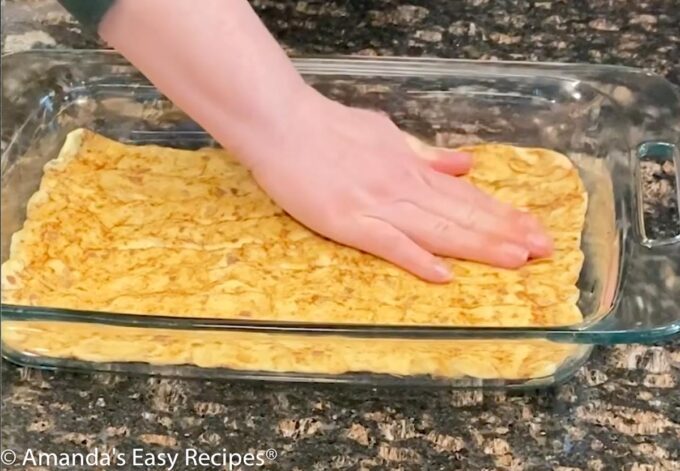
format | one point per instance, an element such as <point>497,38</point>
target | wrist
<point>270,128</point>
<point>218,63</point>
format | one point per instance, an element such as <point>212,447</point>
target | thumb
<point>441,159</point>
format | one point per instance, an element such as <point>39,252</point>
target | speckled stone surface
<point>621,411</point>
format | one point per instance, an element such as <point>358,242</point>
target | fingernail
<point>539,242</point>
<point>516,252</point>
<point>442,271</point>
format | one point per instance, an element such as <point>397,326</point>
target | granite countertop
<point>621,411</point>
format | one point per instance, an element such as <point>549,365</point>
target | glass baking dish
<point>606,119</point>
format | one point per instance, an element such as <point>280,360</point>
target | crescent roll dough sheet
<point>159,231</point>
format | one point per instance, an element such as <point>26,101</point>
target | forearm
<point>215,60</point>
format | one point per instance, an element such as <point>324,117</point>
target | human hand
<point>351,175</point>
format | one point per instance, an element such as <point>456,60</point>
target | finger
<point>383,240</point>
<point>467,213</point>
<point>444,237</point>
<point>441,159</point>
<point>450,162</point>
<point>462,190</point>
<point>500,218</point>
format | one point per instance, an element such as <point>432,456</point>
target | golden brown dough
<point>152,230</point>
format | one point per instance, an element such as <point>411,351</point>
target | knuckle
<point>468,217</point>
<point>405,206</point>
<point>393,184</point>
<point>442,226</point>
<point>381,189</point>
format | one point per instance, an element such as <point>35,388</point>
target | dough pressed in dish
<point>160,231</point>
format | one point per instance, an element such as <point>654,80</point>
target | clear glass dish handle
<point>645,306</point>
<point>667,155</point>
